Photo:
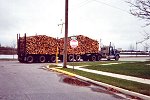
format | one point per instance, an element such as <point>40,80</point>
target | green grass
<point>129,85</point>
<point>51,66</point>
<point>91,63</point>
<point>137,69</point>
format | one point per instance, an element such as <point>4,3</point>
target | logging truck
<point>42,48</point>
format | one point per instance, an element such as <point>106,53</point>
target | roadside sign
<point>73,43</point>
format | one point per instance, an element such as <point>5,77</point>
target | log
<point>40,44</point>
<point>85,45</point>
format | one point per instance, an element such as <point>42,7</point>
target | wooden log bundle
<point>85,45</point>
<point>40,44</point>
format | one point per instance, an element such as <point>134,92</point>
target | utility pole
<point>66,35</point>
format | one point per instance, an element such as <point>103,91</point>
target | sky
<point>105,20</point>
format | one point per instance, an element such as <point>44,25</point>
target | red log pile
<point>42,44</point>
<point>85,45</point>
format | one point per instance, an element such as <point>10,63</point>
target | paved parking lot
<point>31,82</point>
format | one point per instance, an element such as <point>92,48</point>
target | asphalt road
<point>135,58</point>
<point>31,82</point>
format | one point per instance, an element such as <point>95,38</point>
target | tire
<point>61,58</point>
<point>99,57</point>
<point>85,59</point>
<point>93,58</point>
<point>117,58</point>
<point>108,59</point>
<point>42,59</point>
<point>20,60</point>
<point>70,58</point>
<point>30,59</point>
<point>53,59</point>
<point>77,58</point>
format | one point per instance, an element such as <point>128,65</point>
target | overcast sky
<point>108,20</point>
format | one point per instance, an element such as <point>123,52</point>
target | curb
<point>61,71</point>
<point>124,91</point>
<point>65,72</point>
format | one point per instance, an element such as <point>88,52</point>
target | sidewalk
<point>108,86</point>
<point>131,78</point>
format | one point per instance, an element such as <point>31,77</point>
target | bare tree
<point>146,47</point>
<point>141,9</point>
<point>13,48</point>
<point>131,47</point>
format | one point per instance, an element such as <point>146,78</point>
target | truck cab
<point>109,53</point>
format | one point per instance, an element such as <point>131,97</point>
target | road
<point>134,59</point>
<point>31,82</point>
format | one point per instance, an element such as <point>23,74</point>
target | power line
<point>85,2</point>
<point>81,4</point>
<point>111,6</point>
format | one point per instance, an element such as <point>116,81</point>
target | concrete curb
<point>61,71</point>
<point>145,97</point>
<point>124,91</point>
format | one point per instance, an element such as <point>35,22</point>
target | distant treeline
<point>7,50</point>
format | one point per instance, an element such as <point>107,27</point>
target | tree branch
<point>141,9</point>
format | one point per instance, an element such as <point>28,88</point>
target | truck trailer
<point>42,48</point>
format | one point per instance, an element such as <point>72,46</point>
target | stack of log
<point>40,44</point>
<point>85,45</point>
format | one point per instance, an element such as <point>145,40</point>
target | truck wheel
<point>30,59</point>
<point>42,59</point>
<point>99,58</point>
<point>53,59</point>
<point>117,58</point>
<point>108,59</point>
<point>70,58</point>
<point>21,61</point>
<point>77,58</point>
<point>61,58</point>
<point>93,58</point>
<point>85,59</point>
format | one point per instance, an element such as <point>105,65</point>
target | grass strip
<point>51,66</point>
<point>126,84</point>
<point>92,63</point>
<point>137,69</point>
